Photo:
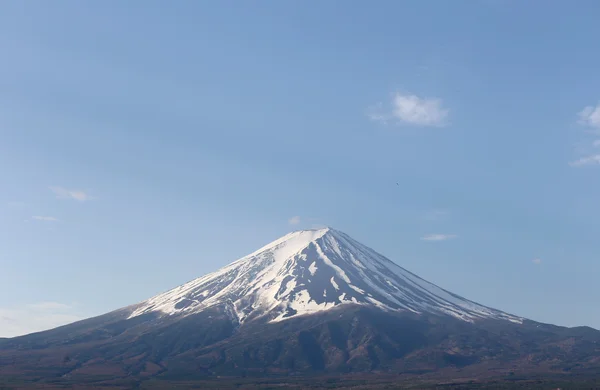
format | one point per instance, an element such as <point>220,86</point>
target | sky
<point>144,144</point>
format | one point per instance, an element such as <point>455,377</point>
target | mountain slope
<point>310,271</point>
<point>311,302</point>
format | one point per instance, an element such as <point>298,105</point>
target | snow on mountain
<point>310,271</point>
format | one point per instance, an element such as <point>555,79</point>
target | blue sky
<point>143,145</point>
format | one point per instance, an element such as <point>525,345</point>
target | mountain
<point>311,271</point>
<point>313,302</point>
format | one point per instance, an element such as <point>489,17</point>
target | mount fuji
<point>312,302</point>
<point>311,271</point>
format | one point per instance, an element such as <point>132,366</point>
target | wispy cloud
<point>438,237</point>
<point>294,220</point>
<point>64,193</point>
<point>436,215</point>
<point>590,116</point>
<point>44,218</point>
<point>587,160</point>
<point>35,317</point>
<point>377,113</point>
<point>49,306</point>
<point>537,261</point>
<point>411,109</point>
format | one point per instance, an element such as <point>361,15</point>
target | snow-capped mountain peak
<point>309,271</point>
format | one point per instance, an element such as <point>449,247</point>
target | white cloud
<point>588,160</point>
<point>536,261</point>
<point>43,218</point>
<point>412,109</point>
<point>294,220</point>
<point>590,116</point>
<point>35,317</point>
<point>596,143</point>
<point>63,193</point>
<point>438,237</point>
<point>418,111</point>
